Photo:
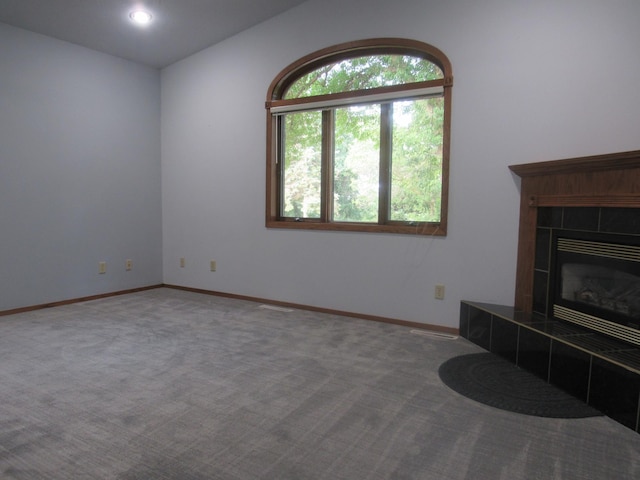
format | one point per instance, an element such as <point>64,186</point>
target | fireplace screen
<point>602,287</point>
<point>596,282</point>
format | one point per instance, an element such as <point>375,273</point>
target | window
<point>358,139</point>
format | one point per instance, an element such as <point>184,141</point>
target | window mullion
<point>384,190</point>
<point>327,169</point>
<point>279,166</point>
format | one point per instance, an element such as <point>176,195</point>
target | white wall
<point>534,81</point>
<point>79,171</point>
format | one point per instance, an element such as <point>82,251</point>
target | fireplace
<point>587,268</point>
<point>594,282</point>
<point>577,283</point>
<point>598,196</point>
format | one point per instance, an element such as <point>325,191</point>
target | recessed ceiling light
<point>140,17</point>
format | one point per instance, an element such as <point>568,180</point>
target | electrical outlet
<point>102,267</point>
<point>182,262</point>
<point>128,264</point>
<point>439,292</point>
<point>212,265</point>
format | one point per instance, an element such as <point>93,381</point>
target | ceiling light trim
<point>140,17</point>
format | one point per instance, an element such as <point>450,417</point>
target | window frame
<point>320,58</point>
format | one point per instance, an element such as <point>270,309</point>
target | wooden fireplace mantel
<point>611,180</point>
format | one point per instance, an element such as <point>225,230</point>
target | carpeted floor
<point>169,385</point>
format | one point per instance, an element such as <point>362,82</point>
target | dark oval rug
<point>494,381</point>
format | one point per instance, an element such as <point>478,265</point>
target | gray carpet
<point>168,385</point>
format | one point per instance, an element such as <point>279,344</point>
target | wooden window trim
<point>313,61</point>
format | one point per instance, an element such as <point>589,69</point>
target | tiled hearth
<point>603,372</point>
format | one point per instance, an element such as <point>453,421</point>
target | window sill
<point>429,229</point>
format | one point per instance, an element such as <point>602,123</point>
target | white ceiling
<point>179,27</point>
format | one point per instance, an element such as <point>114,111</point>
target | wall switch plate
<point>182,262</point>
<point>212,265</point>
<point>102,267</point>
<point>128,264</point>
<point>439,292</point>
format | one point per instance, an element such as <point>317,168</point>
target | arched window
<point>358,139</point>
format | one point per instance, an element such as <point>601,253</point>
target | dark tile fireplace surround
<point>599,195</point>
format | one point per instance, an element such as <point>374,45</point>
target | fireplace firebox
<point>595,282</point>
<point>587,269</point>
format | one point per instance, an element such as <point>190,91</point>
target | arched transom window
<point>358,139</point>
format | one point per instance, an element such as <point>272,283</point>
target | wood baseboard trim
<point>330,311</point>
<point>76,300</point>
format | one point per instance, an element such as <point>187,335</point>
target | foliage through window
<point>358,139</point>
